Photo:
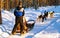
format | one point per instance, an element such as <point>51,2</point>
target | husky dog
<point>39,18</point>
<point>51,14</point>
<point>43,17</point>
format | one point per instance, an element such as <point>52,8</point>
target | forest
<point>11,4</point>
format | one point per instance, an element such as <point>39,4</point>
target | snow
<point>50,28</point>
<point>30,22</point>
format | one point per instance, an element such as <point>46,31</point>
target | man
<point>19,13</point>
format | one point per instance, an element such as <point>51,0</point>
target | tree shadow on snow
<point>7,25</point>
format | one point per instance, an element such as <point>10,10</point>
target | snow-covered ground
<point>50,28</point>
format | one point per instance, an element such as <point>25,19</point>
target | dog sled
<point>27,24</point>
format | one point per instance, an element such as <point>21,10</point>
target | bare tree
<point>6,5</point>
<point>0,14</point>
<point>16,2</point>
